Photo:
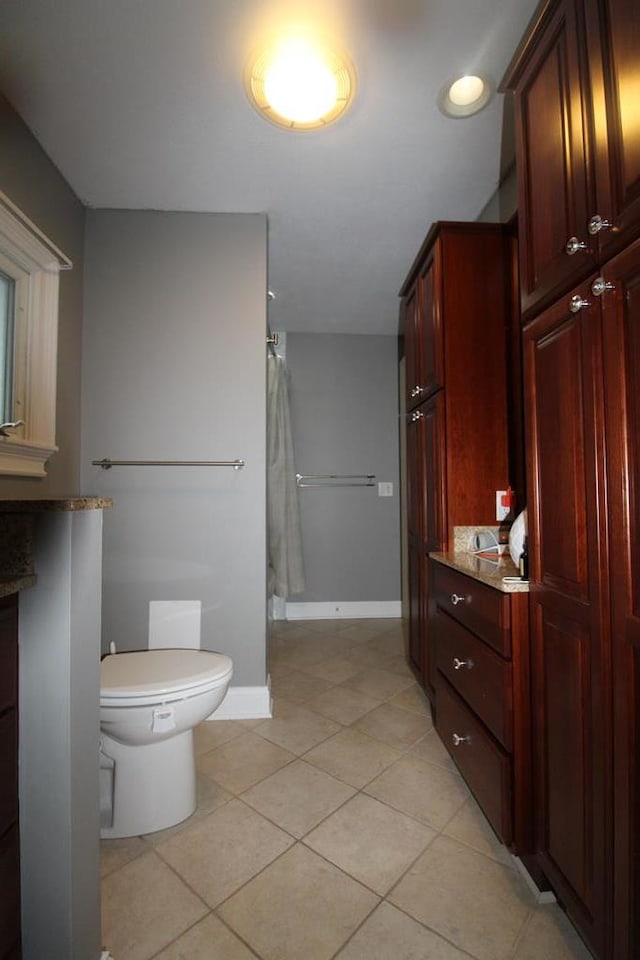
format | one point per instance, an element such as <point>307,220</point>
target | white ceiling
<point>140,104</point>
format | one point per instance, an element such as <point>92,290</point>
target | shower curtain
<point>285,541</point>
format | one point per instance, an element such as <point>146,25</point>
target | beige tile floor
<point>338,830</point>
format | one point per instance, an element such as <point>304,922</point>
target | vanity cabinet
<point>455,316</point>
<point>481,641</point>
<point>9,826</point>
<point>578,142</point>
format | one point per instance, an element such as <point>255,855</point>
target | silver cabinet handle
<point>457,739</point>
<point>600,285</point>
<point>456,599</point>
<point>573,245</point>
<point>598,223</point>
<point>459,664</point>
<point>417,415</point>
<point>577,303</point>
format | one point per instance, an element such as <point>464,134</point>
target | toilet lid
<point>159,673</point>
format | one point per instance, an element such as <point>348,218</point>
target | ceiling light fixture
<point>300,84</point>
<point>465,96</point>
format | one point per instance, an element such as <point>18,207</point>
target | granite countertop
<point>55,503</point>
<point>9,585</point>
<point>17,518</point>
<point>491,572</point>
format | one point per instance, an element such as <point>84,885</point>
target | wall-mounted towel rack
<point>336,480</point>
<point>106,463</point>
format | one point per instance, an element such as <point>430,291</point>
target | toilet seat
<point>160,676</point>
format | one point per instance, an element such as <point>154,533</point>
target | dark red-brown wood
<point>569,608</point>
<point>456,316</point>
<point>621,323</point>
<point>9,829</point>
<point>577,141</point>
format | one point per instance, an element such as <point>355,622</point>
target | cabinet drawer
<point>482,609</point>
<point>478,674</point>
<point>482,763</point>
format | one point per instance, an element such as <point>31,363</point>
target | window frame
<point>37,264</point>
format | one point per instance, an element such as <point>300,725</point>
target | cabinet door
<point>621,314</point>
<point>410,323</point>
<point>570,631</point>
<point>430,329</point>
<point>552,120</point>
<point>614,54</point>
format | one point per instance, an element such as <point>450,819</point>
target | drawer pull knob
<point>457,739</point>
<point>459,664</point>
<point>456,599</point>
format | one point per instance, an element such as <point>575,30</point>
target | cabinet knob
<point>457,739</point>
<point>416,391</point>
<point>456,599</point>
<point>600,285</point>
<point>598,223</point>
<point>573,245</point>
<point>459,664</point>
<point>577,303</point>
<point>416,415</point>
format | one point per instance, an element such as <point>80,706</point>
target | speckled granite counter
<point>487,571</point>
<point>16,535</point>
<point>55,503</point>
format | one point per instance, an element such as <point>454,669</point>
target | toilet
<point>150,701</point>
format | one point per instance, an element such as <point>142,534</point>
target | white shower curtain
<point>285,541</point>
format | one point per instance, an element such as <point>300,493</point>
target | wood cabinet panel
<point>484,765</point>
<point>614,50</point>
<point>621,321</point>
<point>9,830</point>
<point>482,609</point>
<point>578,142</point>
<point>568,561</point>
<point>460,289</point>
<point>553,153</point>
<point>481,677</point>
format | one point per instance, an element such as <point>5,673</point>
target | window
<point>29,269</point>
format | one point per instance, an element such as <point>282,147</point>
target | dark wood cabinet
<point>578,142</point>
<point>9,829</point>
<point>621,328</point>
<point>481,639</point>
<point>575,81</point>
<point>570,634</point>
<point>456,315</point>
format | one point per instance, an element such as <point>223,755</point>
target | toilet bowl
<point>150,701</point>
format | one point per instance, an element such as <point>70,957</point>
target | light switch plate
<point>385,489</point>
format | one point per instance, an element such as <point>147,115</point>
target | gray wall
<point>344,407</point>
<point>174,368</point>
<point>31,181</point>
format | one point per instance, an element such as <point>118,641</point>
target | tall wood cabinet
<point>578,155</point>
<point>9,826</point>
<point>454,327</point>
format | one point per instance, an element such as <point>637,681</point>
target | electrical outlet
<point>385,489</point>
<point>502,509</point>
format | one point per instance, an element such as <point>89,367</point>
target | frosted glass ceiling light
<point>465,96</point>
<point>300,84</point>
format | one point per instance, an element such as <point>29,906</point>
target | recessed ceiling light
<point>465,96</point>
<point>300,84</point>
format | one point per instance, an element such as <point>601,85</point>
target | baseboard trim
<point>338,610</point>
<point>245,703</point>
<point>540,896</point>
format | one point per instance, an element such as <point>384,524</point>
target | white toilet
<point>150,702</point>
